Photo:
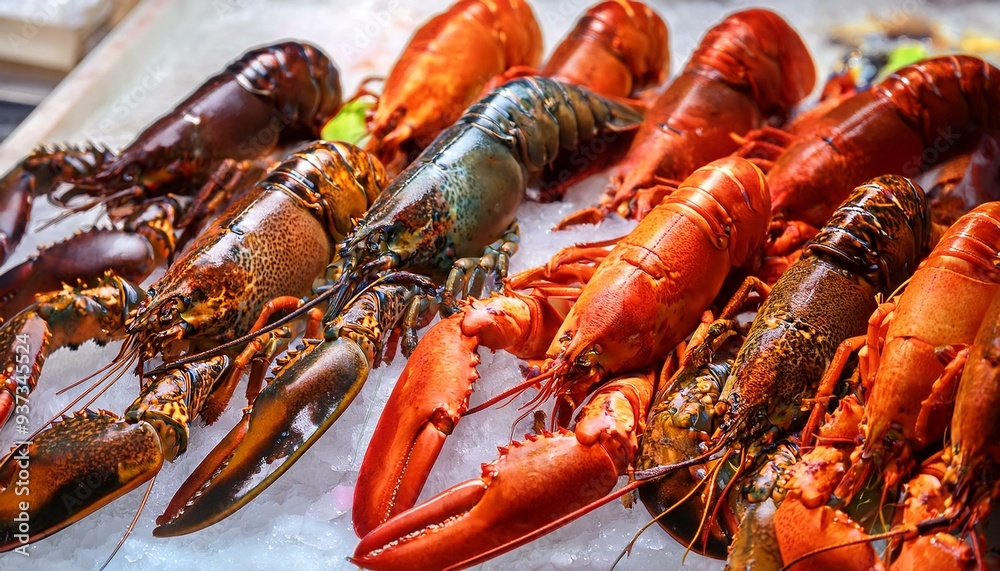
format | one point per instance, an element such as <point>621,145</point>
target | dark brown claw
<point>72,469</point>
<point>83,257</point>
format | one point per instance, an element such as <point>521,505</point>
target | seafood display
<point>757,346</point>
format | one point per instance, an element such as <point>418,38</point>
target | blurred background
<point>42,41</point>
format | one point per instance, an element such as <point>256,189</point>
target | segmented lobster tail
<point>756,50</point>
<point>338,179</point>
<point>880,232</point>
<point>629,34</point>
<point>544,116</point>
<point>299,79</point>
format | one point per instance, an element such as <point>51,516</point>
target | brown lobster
<point>869,246</point>
<point>305,204</point>
<point>751,67</point>
<point>179,170</point>
<point>718,213</point>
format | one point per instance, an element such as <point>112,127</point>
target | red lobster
<point>749,68</point>
<point>918,116</point>
<point>718,214</point>
<point>429,89</point>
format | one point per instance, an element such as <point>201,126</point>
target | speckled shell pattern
<point>274,242</point>
<point>871,244</point>
<point>463,191</point>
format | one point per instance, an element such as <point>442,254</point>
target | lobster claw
<point>71,470</point>
<point>531,484</point>
<point>309,393</point>
<point>433,392</point>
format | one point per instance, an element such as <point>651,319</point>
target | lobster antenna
<point>517,420</point>
<point>511,393</point>
<point>713,474</point>
<point>118,375</point>
<point>249,336</point>
<point>912,529</point>
<point>115,367</point>
<point>135,519</point>
<point>725,491</point>
<point>337,289</point>
<point>635,537</point>
<point>653,473</point>
<point>116,362</point>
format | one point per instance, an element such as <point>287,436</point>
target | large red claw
<point>71,470</point>
<point>802,531</point>
<point>311,392</point>
<point>429,398</point>
<point>433,392</point>
<point>531,484</point>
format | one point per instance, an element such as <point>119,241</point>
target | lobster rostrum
<point>214,142</point>
<point>870,245</point>
<point>428,89</point>
<point>452,202</point>
<point>304,204</point>
<point>749,68</point>
<point>719,214</point>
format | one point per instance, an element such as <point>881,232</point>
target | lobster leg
<point>36,175</point>
<point>65,318</point>
<point>531,484</point>
<point>83,257</point>
<point>468,275</point>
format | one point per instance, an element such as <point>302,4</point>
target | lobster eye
<point>131,173</point>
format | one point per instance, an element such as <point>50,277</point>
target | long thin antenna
<point>131,526</point>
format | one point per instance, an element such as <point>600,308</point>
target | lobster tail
<point>756,50</point>
<point>880,232</point>
<point>299,79</point>
<point>630,34</point>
